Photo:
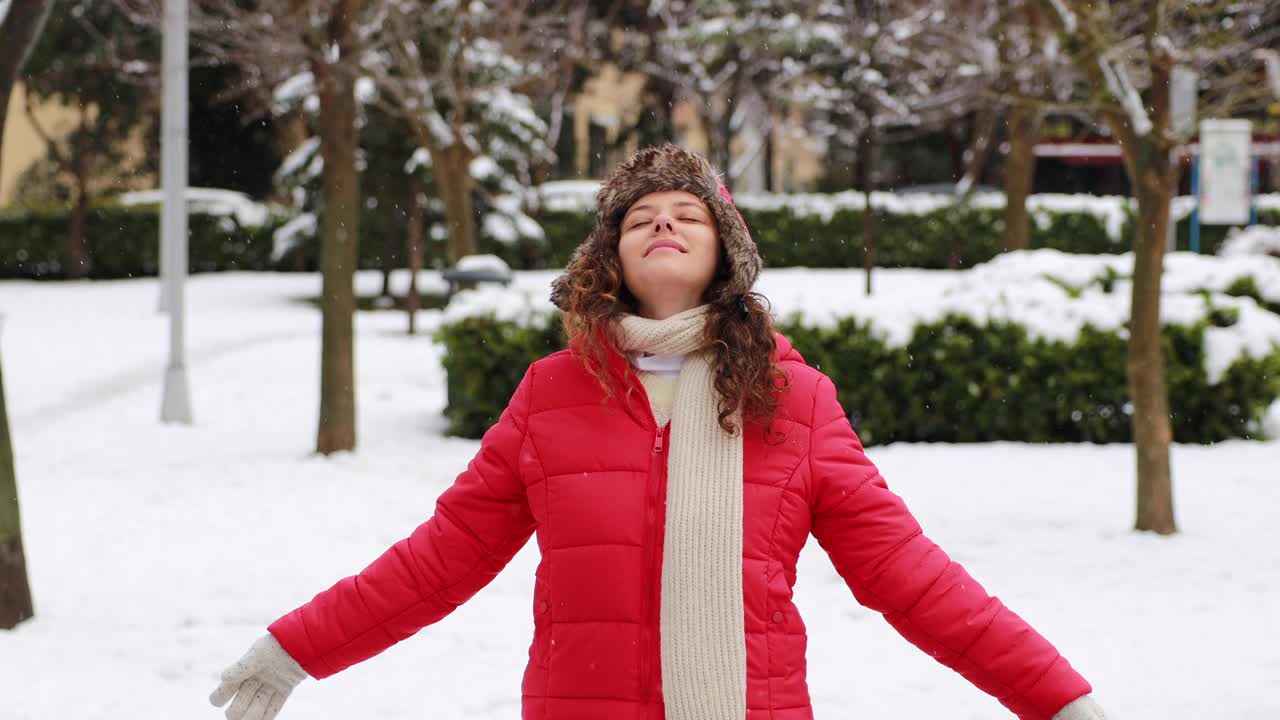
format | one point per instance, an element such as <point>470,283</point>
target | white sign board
<point>1183,86</point>
<point>1224,172</point>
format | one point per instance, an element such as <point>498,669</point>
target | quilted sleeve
<point>893,568</point>
<point>479,524</point>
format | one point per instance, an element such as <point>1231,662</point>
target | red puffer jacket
<point>590,480</point>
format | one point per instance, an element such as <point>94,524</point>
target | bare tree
<point>277,45</point>
<point>19,29</point>
<point>1033,75</point>
<point>1126,51</point>
<point>15,590</point>
<point>726,59</point>
<point>414,250</point>
<point>879,71</point>
<point>570,55</point>
<point>455,75</point>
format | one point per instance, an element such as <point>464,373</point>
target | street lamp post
<point>175,406</point>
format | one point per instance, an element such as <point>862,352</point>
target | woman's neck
<point>665,307</point>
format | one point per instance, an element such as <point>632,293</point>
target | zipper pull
<point>657,439</point>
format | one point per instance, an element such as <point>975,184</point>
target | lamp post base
<point>175,406</point>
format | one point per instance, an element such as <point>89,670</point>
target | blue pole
<point>1253,191</point>
<point>1195,208</point>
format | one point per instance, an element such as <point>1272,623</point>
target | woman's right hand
<point>260,681</point>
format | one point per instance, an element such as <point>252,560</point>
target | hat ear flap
<point>597,242</point>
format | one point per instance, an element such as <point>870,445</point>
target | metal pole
<point>1171,231</point>
<point>1195,209</point>
<point>175,405</point>
<point>162,264</point>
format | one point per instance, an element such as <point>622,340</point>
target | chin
<point>667,278</point>
<point>673,282</point>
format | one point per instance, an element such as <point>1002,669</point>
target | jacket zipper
<point>646,671</point>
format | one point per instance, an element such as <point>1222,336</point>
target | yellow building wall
<point>21,147</point>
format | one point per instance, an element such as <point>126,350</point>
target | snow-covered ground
<point>157,554</point>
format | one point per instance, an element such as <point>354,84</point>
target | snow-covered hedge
<point>237,209</point>
<point>1029,347</point>
<point>1252,240</point>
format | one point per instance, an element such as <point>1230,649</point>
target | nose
<point>663,222</point>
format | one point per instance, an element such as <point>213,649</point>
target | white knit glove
<point>1082,708</point>
<point>260,681</point>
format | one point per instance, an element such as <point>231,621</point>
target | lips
<point>664,242</point>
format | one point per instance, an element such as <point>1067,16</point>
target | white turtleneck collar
<point>666,366</point>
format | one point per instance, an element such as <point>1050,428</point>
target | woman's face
<point>669,249</point>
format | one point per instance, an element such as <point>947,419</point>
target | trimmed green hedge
<point>122,242</point>
<point>484,361</point>
<point>790,239</point>
<point>955,381</point>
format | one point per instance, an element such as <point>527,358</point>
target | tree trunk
<point>770,153</point>
<point>15,591</point>
<point>413,240</point>
<point>338,239</point>
<point>1153,176</point>
<point>452,168</point>
<point>985,121</point>
<point>656,126</point>
<point>1152,431</point>
<point>724,138</point>
<point>1024,130</point>
<point>77,259</point>
<point>718,128</point>
<point>18,34</point>
<point>865,154</point>
<point>388,249</point>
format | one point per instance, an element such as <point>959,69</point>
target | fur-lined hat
<point>661,169</point>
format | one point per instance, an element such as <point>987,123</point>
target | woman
<point>672,462</point>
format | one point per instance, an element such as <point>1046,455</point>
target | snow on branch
<point>1119,84</point>
<point>1064,12</point>
<point>1271,60</point>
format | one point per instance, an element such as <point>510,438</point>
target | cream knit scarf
<point>704,656</point>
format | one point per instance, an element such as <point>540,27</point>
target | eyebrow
<point>681,203</point>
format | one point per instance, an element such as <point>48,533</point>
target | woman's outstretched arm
<point>480,523</point>
<point>892,567</point>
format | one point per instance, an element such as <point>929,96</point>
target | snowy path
<point>157,554</point>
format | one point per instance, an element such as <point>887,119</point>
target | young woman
<point>672,464</point>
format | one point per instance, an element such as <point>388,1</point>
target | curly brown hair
<point>739,330</point>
